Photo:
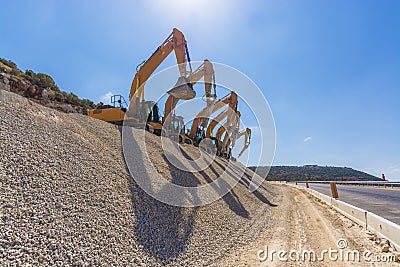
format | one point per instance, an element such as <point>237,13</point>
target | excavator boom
<point>175,41</point>
<point>231,127</point>
<point>203,116</point>
<point>247,136</point>
<point>205,70</point>
<point>139,110</point>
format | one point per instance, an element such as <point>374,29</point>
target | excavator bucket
<point>182,89</point>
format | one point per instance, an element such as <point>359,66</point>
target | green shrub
<point>15,72</point>
<point>46,81</point>
<point>87,103</point>
<point>30,73</point>
<point>9,63</point>
<point>41,80</point>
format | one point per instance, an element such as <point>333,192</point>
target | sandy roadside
<point>303,223</point>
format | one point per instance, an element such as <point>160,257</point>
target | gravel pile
<point>67,199</point>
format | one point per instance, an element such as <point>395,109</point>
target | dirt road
<point>308,225</point>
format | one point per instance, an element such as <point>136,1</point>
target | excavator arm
<point>203,116</point>
<point>231,130</point>
<point>214,123</point>
<point>175,41</point>
<point>247,138</point>
<point>205,70</point>
<point>210,139</point>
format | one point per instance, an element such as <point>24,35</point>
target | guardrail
<point>361,183</point>
<point>382,227</point>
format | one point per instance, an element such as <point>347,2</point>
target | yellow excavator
<point>247,138</point>
<point>174,124</point>
<point>199,129</point>
<point>140,111</point>
<point>230,127</point>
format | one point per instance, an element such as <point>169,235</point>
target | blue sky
<point>329,69</point>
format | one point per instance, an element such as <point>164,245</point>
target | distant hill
<point>313,173</point>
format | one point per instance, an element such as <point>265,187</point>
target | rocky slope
<point>67,198</point>
<point>38,94</point>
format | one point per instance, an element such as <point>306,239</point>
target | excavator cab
<point>175,128</point>
<point>209,145</point>
<point>198,137</point>
<point>184,136</point>
<point>154,114</point>
<point>153,123</point>
<point>118,101</point>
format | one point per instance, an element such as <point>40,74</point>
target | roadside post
<point>334,190</point>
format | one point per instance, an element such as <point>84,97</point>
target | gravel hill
<point>67,198</point>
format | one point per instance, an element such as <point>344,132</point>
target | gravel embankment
<point>67,199</point>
